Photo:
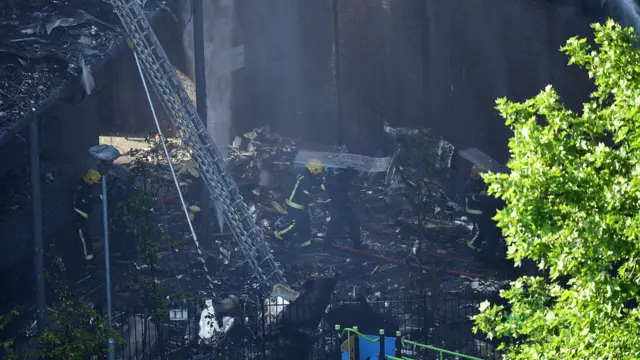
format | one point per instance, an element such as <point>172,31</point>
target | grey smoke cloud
<point>630,11</point>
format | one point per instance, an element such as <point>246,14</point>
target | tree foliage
<point>140,220</point>
<point>573,206</point>
<point>149,228</point>
<point>74,329</point>
<point>7,346</point>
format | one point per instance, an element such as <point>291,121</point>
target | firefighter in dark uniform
<point>342,213</point>
<point>297,226</point>
<point>83,202</point>
<point>482,208</point>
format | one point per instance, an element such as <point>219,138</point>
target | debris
<point>445,154</point>
<point>217,318</point>
<point>226,255</point>
<point>278,207</point>
<point>392,227</point>
<point>86,78</point>
<point>344,161</point>
<point>137,344</point>
<point>47,44</point>
<point>178,315</point>
<point>483,160</point>
<point>406,248</point>
<point>251,135</point>
<point>275,305</point>
<point>193,210</point>
<point>56,21</point>
<point>285,293</point>
<point>190,168</point>
<point>193,172</point>
<point>208,324</point>
<point>220,215</point>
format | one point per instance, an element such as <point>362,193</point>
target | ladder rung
<point>273,273</point>
<point>183,114</point>
<point>186,102</point>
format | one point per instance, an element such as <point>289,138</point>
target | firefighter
<point>482,208</point>
<point>297,226</point>
<point>83,202</point>
<point>342,213</point>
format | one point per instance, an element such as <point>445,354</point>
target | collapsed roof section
<point>46,45</point>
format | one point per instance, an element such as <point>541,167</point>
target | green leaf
<point>573,207</point>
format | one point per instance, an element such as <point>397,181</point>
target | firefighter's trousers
<point>487,230</point>
<point>343,215</point>
<point>85,236</point>
<point>297,226</point>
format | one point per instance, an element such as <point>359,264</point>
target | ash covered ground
<point>46,44</point>
<point>394,265</point>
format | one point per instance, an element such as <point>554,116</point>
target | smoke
<point>630,11</point>
<point>218,36</point>
<point>218,39</point>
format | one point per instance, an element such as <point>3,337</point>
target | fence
<point>392,349</point>
<point>306,330</point>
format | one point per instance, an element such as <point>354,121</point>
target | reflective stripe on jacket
<point>472,210</point>
<point>83,199</point>
<point>473,188</point>
<point>302,192</point>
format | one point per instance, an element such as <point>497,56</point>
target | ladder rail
<point>174,98</point>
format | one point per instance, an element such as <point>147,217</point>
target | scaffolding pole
<point>201,102</point>
<point>336,69</point>
<point>36,200</point>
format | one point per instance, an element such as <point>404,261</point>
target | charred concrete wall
<point>117,106</point>
<point>478,51</point>
<point>129,113</point>
<point>381,46</point>
<point>287,81</point>
<point>429,63</point>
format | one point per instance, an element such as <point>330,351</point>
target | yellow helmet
<point>476,171</point>
<point>92,176</point>
<point>315,166</point>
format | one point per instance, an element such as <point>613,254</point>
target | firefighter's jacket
<point>338,184</point>
<point>84,200</point>
<point>305,187</point>
<point>473,199</point>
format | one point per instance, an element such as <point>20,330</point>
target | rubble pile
<point>44,44</point>
<point>402,235</point>
<point>414,231</point>
<point>147,168</point>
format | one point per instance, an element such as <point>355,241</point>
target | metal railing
<point>398,348</point>
<point>307,330</point>
<point>441,352</point>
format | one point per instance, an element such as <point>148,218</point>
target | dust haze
<point>219,23</point>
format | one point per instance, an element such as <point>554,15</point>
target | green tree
<point>7,346</point>
<point>74,328</point>
<point>140,220</point>
<point>573,206</point>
